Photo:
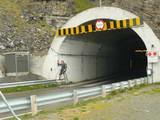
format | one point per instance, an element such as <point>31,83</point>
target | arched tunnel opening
<point>110,54</point>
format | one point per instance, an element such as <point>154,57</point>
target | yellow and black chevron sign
<point>111,25</point>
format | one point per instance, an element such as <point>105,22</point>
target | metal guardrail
<point>25,103</point>
<point>26,83</point>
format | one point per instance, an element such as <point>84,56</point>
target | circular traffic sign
<point>149,54</point>
<point>154,53</point>
<point>99,25</point>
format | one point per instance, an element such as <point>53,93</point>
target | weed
<point>76,118</point>
<point>26,88</point>
<point>81,5</point>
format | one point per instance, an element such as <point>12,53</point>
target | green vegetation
<point>26,88</point>
<point>81,5</point>
<point>76,118</point>
<point>13,12</point>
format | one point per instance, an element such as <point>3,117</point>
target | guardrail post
<point>75,97</point>
<point>113,88</point>
<point>103,91</point>
<point>150,81</point>
<point>142,80</point>
<point>135,80</point>
<point>121,85</point>
<point>129,83</point>
<point>147,80</point>
<point>34,104</point>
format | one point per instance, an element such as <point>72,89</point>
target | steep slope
<point>26,25</point>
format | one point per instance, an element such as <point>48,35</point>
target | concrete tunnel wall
<point>85,60</point>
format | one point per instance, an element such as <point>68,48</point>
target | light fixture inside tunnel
<point>107,54</point>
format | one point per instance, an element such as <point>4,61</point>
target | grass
<point>151,92</point>
<point>81,5</point>
<point>26,88</point>
<point>110,96</point>
<point>76,118</point>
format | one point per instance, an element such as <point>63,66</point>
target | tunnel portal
<point>103,53</point>
<point>106,54</point>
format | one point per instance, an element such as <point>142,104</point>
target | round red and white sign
<point>152,54</point>
<point>149,54</point>
<point>99,25</point>
<point>155,53</point>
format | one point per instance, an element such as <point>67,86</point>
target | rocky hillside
<point>148,9</point>
<point>23,24</point>
<point>26,25</point>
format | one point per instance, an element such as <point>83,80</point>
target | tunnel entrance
<point>106,53</point>
<point>109,54</point>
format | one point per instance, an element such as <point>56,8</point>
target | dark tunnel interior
<point>114,51</point>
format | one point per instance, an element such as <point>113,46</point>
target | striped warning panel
<point>111,25</point>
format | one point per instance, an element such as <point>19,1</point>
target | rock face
<point>149,10</point>
<point>23,24</point>
<point>27,25</point>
